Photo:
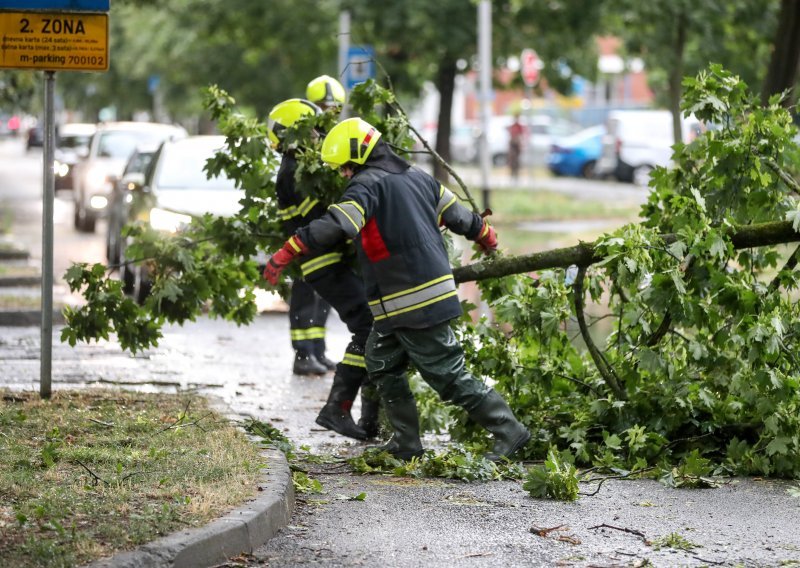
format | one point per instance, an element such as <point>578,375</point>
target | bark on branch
<point>585,254</point>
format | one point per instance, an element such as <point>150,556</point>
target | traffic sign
<point>56,5</point>
<point>530,64</point>
<point>54,41</point>
<point>360,65</point>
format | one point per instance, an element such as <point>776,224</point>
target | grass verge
<point>90,473</point>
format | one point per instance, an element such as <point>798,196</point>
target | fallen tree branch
<point>586,254</point>
<point>623,529</point>
<point>606,371</point>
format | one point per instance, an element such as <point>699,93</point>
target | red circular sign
<point>529,67</point>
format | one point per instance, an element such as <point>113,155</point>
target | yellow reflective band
<point>354,360</point>
<point>288,213</point>
<point>320,262</point>
<point>305,207</point>
<point>441,190</point>
<point>309,333</point>
<point>412,290</point>
<point>354,204</point>
<point>294,245</point>
<point>349,218</point>
<point>417,306</point>
<point>445,208</point>
<point>485,230</point>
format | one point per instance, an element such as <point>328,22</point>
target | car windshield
<point>122,143</point>
<point>180,166</point>
<point>74,141</point>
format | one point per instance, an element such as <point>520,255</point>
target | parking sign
<point>360,65</point>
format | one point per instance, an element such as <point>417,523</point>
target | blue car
<point>577,155</point>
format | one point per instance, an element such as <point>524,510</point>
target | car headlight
<point>169,221</point>
<point>60,168</point>
<point>96,178</point>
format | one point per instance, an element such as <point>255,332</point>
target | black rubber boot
<point>405,443</point>
<point>308,365</point>
<point>335,415</point>
<point>509,434</point>
<point>370,405</point>
<point>327,363</point>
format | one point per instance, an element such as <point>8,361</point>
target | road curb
<point>14,254</point>
<point>18,281</point>
<point>27,318</point>
<point>240,531</point>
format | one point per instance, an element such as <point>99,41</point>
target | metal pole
<point>485,77</point>
<point>344,50</point>
<point>528,146</point>
<point>48,192</point>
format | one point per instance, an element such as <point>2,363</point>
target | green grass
<point>90,473</point>
<point>525,205</point>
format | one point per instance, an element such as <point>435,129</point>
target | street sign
<point>54,41</point>
<point>529,67</point>
<point>360,65</point>
<point>56,5</point>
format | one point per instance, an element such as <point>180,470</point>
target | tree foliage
<point>695,364</point>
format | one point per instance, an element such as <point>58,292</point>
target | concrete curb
<point>240,531</point>
<point>26,318</point>
<point>12,281</point>
<point>14,254</point>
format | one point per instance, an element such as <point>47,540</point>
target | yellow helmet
<point>285,114</point>
<point>351,140</point>
<point>325,90</point>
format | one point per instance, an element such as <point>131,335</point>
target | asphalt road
<point>402,522</point>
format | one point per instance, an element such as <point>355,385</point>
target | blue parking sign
<point>360,65</point>
<point>57,5</point>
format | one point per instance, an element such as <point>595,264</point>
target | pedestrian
<point>393,212</point>
<point>516,140</point>
<point>329,276</point>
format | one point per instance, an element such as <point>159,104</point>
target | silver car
<point>109,150</point>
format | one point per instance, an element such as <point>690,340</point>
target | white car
<point>639,140</point>
<point>109,150</point>
<point>72,146</point>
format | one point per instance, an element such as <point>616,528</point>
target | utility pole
<point>485,90</point>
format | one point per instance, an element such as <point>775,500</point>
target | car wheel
<point>588,170</point>
<point>125,272</point>
<point>113,242</point>
<point>641,175</point>
<point>141,284</point>
<point>84,221</point>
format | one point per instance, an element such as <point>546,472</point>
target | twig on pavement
<point>623,529</point>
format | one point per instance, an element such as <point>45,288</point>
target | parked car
<point>109,150</point>
<point>176,188</point>
<point>463,149</point>
<point>131,181</point>
<point>577,155</point>
<point>542,132</point>
<point>72,145</point>
<point>639,140</point>
<point>35,137</point>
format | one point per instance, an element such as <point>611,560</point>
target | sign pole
<point>485,80</point>
<point>48,192</point>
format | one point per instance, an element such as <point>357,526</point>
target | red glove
<point>281,259</point>
<point>487,238</point>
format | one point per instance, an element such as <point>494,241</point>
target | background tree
<point>679,37</point>
<point>784,65</point>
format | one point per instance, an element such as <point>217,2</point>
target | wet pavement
<point>405,522</point>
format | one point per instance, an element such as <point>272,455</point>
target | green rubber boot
<point>405,442</point>
<point>509,434</point>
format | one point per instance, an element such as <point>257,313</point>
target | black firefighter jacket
<point>393,212</point>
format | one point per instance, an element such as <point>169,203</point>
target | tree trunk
<point>782,73</point>
<point>584,254</point>
<point>676,77</point>
<point>445,83</point>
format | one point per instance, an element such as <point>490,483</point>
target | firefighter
<point>326,92</point>
<point>393,213</point>
<point>331,278</point>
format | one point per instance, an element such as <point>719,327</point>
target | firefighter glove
<point>487,238</point>
<point>281,259</point>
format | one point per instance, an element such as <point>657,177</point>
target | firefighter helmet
<point>285,114</point>
<point>325,90</point>
<point>350,141</point>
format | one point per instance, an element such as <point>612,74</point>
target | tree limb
<point>600,362</point>
<point>585,254</point>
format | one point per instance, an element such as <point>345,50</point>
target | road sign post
<point>530,64</point>
<point>52,35</point>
